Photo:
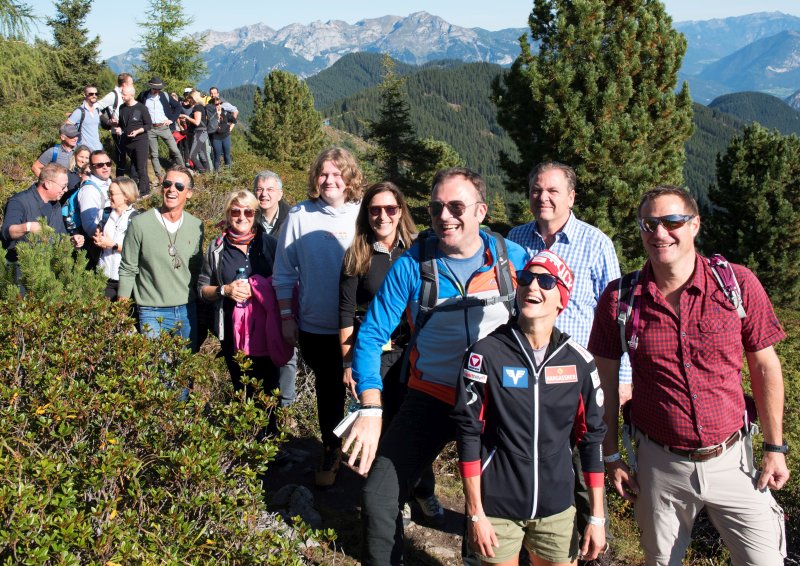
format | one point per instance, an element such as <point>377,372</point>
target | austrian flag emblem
<point>560,374</point>
<point>475,362</point>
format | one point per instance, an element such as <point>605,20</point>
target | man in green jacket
<point>161,259</point>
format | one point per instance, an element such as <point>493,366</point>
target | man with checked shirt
<point>589,254</point>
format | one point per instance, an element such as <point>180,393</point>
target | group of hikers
<point>523,349</point>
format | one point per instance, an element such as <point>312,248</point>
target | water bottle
<point>240,274</point>
<point>352,404</point>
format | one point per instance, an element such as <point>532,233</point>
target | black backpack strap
<point>625,297</point>
<point>505,280</point>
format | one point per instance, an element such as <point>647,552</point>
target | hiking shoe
<point>431,508</point>
<point>406,513</point>
<point>326,475</point>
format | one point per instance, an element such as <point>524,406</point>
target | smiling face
<point>669,247</point>
<point>551,198</point>
<point>100,166</point>
<point>52,190</point>
<point>82,158</point>
<point>535,302</point>
<point>331,185</point>
<point>269,195</point>
<point>459,236</point>
<point>240,218</point>
<point>175,200</point>
<point>117,198</point>
<point>384,225</point>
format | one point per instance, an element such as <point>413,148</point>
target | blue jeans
<point>222,148</point>
<point>180,320</point>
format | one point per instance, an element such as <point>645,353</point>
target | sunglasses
<point>390,210</point>
<point>455,207</point>
<point>102,164</point>
<point>166,183</point>
<point>91,94</point>
<point>545,280</point>
<point>669,222</point>
<point>239,212</point>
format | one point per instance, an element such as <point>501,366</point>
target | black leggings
<point>139,151</point>
<point>323,354</point>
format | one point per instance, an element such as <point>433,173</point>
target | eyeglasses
<point>669,222</point>
<point>239,212</point>
<point>455,207</point>
<point>545,280</point>
<point>61,187</point>
<point>91,94</point>
<point>268,190</point>
<point>102,164</point>
<point>390,209</point>
<point>166,183</point>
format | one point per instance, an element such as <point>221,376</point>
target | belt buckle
<point>703,454</point>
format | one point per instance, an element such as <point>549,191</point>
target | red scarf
<point>240,240</point>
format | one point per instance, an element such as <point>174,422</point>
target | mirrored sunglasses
<point>669,222</point>
<point>545,280</point>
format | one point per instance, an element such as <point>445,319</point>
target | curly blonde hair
<point>347,164</point>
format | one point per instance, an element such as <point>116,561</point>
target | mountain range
<point>758,52</point>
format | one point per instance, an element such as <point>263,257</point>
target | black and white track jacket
<point>514,422</point>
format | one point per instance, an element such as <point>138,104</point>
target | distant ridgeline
<point>449,100</point>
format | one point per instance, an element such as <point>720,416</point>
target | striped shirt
<point>590,255</point>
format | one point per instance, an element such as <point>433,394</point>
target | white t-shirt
<point>115,228</point>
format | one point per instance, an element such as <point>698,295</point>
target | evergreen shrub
<point>100,460</point>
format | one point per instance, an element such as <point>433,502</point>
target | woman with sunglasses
<point>311,246</point>
<point>233,279</point>
<point>522,392</point>
<point>384,230</point>
<point>221,139</point>
<point>110,234</point>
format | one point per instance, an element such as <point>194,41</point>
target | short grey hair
<point>264,175</point>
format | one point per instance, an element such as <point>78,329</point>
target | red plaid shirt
<point>687,388</point>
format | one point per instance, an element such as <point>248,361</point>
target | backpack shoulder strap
<point>726,279</point>
<point>505,281</point>
<point>429,273</point>
<point>625,304</point>
<point>90,182</point>
<point>83,117</point>
<point>54,157</point>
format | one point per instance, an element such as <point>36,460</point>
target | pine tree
<point>756,210</point>
<point>432,156</point>
<point>168,52</point>
<point>78,54</point>
<point>599,95</point>
<point>15,18</point>
<point>285,127</point>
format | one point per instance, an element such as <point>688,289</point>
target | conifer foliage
<point>78,54</point>
<point>599,95</point>
<point>756,210</point>
<point>168,51</point>
<point>285,127</point>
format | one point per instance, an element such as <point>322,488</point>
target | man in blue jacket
<point>468,305</point>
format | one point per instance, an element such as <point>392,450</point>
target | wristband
<point>780,448</point>
<point>286,311</point>
<point>287,317</point>
<point>27,227</point>
<point>476,518</point>
<point>370,412</point>
<point>598,521</point>
<point>372,407</point>
<point>347,365</point>
<point>612,458</point>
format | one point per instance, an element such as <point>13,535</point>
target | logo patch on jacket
<point>560,374</point>
<point>515,377</point>
<point>475,376</point>
<point>475,362</point>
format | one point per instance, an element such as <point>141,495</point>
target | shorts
<point>552,538</point>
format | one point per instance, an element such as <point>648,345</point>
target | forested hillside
<point>769,111</point>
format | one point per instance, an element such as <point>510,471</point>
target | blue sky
<point>115,21</point>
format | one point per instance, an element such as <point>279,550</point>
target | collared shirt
<point>89,120</point>
<point>156,109</point>
<point>28,206</point>
<point>687,384</point>
<point>269,225</point>
<point>92,201</point>
<point>590,255</point>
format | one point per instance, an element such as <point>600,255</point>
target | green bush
<point>100,460</point>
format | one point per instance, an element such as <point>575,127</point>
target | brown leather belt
<point>708,452</point>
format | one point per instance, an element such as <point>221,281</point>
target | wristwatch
<point>221,291</point>
<point>782,448</point>
<point>476,518</point>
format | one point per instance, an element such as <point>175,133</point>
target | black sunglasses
<point>166,183</point>
<point>102,164</point>
<point>545,280</point>
<point>669,222</point>
<point>91,94</point>
<point>455,207</point>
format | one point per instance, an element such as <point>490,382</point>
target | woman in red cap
<point>522,392</point>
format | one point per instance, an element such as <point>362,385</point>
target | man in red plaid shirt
<point>688,408</point>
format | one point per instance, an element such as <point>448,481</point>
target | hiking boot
<point>326,475</point>
<point>406,513</point>
<point>431,508</point>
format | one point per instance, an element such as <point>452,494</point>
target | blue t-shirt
<point>89,134</point>
<point>463,268</point>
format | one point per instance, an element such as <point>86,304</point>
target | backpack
<point>627,308</point>
<point>212,120</point>
<point>429,287</point>
<point>54,157</point>
<point>83,117</point>
<point>71,209</point>
<point>107,115</point>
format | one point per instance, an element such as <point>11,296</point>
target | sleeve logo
<point>515,377</point>
<point>475,376</point>
<point>475,362</point>
<point>560,374</point>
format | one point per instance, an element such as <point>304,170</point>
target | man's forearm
<point>766,378</point>
<point>609,381</point>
